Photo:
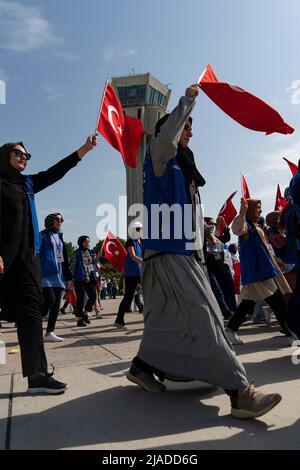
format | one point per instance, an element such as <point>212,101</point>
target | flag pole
<point>99,114</point>
<point>101,249</point>
<point>201,76</point>
<point>242,184</point>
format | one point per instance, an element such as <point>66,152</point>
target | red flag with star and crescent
<point>114,252</point>
<point>242,106</point>
<point>293,166</point>
<point>228,211</point>
<point>123,132</point>
<point>245,190</point>
<point>280,202</point>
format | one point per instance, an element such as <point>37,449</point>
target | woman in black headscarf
<point>20,276</point>
<point>56,274</point>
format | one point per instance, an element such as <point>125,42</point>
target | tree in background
<point>70,249</point>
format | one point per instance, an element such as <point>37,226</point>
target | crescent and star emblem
<point>111,109</point>
<point>116,253</point>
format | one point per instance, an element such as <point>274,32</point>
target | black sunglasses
<point>138,229</point>
<point>19,154</point>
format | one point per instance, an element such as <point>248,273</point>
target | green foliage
<point>70,249</point>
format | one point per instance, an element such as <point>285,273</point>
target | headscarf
<point>49,222</point>
<point>81,240</point>
<point>185,157</point>
<point>6,170</point>
<point>252,204</point>
<point>272,219</point>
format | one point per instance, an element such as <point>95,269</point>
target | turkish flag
<point>245,190</point>
<point>123,132</point>
<point>280,201</point>
<point>114,251</point>
<point>293,166</point>
<point>245,108</point>
<point>228,211</point>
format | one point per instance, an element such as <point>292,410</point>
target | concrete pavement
<point>102,410</point>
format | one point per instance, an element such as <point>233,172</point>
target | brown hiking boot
<point>146,381</point>
<point>252,403</point>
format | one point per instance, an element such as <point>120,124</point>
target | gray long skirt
<point>184,334</point>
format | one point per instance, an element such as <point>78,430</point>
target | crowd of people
<point>195,298</point>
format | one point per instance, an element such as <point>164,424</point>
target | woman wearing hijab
<point>261,277</point>
<point>83,270</point>
<point>183,337</point>
<point>56,275</point>
<point>20,275</point>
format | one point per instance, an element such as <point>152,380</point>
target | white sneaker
<point>233,337</point>
<point>52,338</point>
<point>98,315</point>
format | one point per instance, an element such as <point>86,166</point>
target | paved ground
<point>102,410</point>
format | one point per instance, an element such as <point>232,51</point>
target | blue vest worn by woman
<point>132,268</point>
<point>296,207</point>
<point>52,269</point>
<point>79,274</point>
<point>256,264</point>
<point>47,255</point>
<point>169,189</point>
<point>29,190</point>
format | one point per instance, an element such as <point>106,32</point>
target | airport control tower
<point>145,98</point>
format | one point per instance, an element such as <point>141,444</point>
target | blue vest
<point>256,264</point>
<point>171,188</point>
<point>296,207</point>
<point>28,186</point>
<point>132,268</point>
<point>47,255</point>
<point>79,274</point>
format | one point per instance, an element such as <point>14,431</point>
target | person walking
<point>56,275</point>
<point>261,277</point>
<point>183,336</point>
<point>19,261</point>
<point>83,270</point>
<point>132,271</point>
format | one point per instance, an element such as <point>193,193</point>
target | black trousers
<point>246,307</point>
<point>131,283</point>
<point>52,300</point>
<point>80,288</point>
<point>24,298</point>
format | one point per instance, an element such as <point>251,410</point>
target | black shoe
<point>81,322</point>
<point>46,384</point>
<point>120,325</point>
<point>87,320</point>
<point>62,310</point>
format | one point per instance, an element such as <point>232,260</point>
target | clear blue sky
<point>56,55</point>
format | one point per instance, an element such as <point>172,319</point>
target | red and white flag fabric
<point>242,106</point>
<point>228,211</point>
<point>114,251</point>
<point>123,132</point>
<point>245,190</point>
<point>293,166</point>
<point>280,200</point>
